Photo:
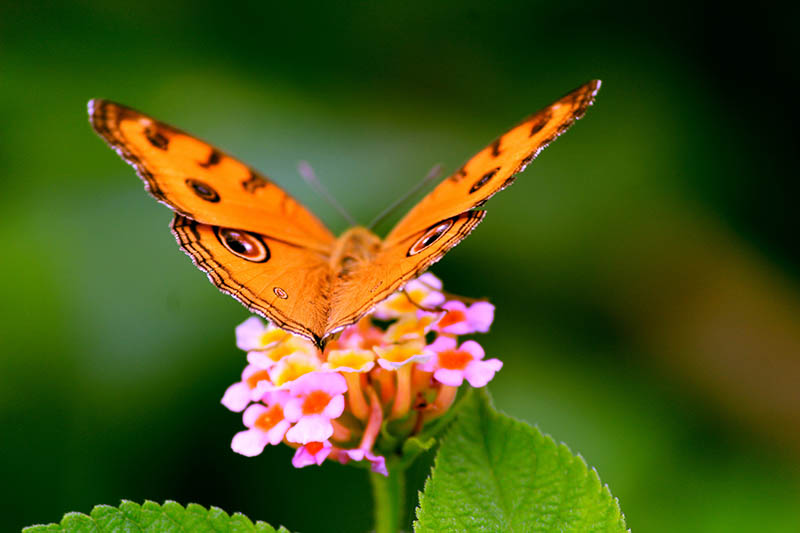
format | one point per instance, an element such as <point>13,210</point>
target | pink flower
<point>362,336</point>
<point>422,292</point>
<point>374,384</point>
<point>411,327</point>
<point>253,334</point>
<point>463,320</point>
<point>350,360</point>
<point>396,355</point>
<point>254,384</point>
<point>312,453</point>
<point>276,352</point>
<point>451,365</point>
<point>315,399</point>
<point>267,425</point>
<point>292,367</point>
<point>378,462</point>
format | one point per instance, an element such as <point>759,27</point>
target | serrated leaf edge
<point>126,506</point>
<point>549,441</point>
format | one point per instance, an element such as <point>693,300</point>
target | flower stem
<point>389,495</point>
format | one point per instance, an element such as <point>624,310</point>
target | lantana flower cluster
<point>383,378</point>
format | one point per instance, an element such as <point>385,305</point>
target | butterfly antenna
<point>433,173</point>
<point>307,173</point>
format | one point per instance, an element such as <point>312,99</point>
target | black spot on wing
<point>156,138</point>
<point>496,148</point>
<point>254,182</point>
<point>213,159</point>
<point>484,180</point>
<point>458,175</point>
<point>541,123</point>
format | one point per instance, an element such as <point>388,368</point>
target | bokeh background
<point>645,267</point>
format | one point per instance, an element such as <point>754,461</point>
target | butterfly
<point>262,247</point>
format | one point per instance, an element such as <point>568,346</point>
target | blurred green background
<point>645,267</point>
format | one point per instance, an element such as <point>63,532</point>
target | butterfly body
<point>356,246</point>
<point>265,249</point>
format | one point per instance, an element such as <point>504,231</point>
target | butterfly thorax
<point>355,246</point>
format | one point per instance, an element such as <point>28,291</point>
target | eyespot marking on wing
<point>484,179</point>
<point>203,190</point>
<point>243,244</point>
<point>280,293</point>
<point>253,183</point>
<point>431,236</point>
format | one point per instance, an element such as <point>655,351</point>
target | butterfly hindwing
<point>493,168</point>
<point>202,183</point>
<point>284,282</point>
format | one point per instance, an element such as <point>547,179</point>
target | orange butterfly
<point>262,247</point>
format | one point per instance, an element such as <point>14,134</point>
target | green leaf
<point>154,518</point>
<point>495,473</point>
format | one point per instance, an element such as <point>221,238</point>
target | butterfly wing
<point>356,293</point>
<point>282,281</point>
<point>493,168</point>
<point>259,245</point>
<point>202,183</point>
<point>447,214</point>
